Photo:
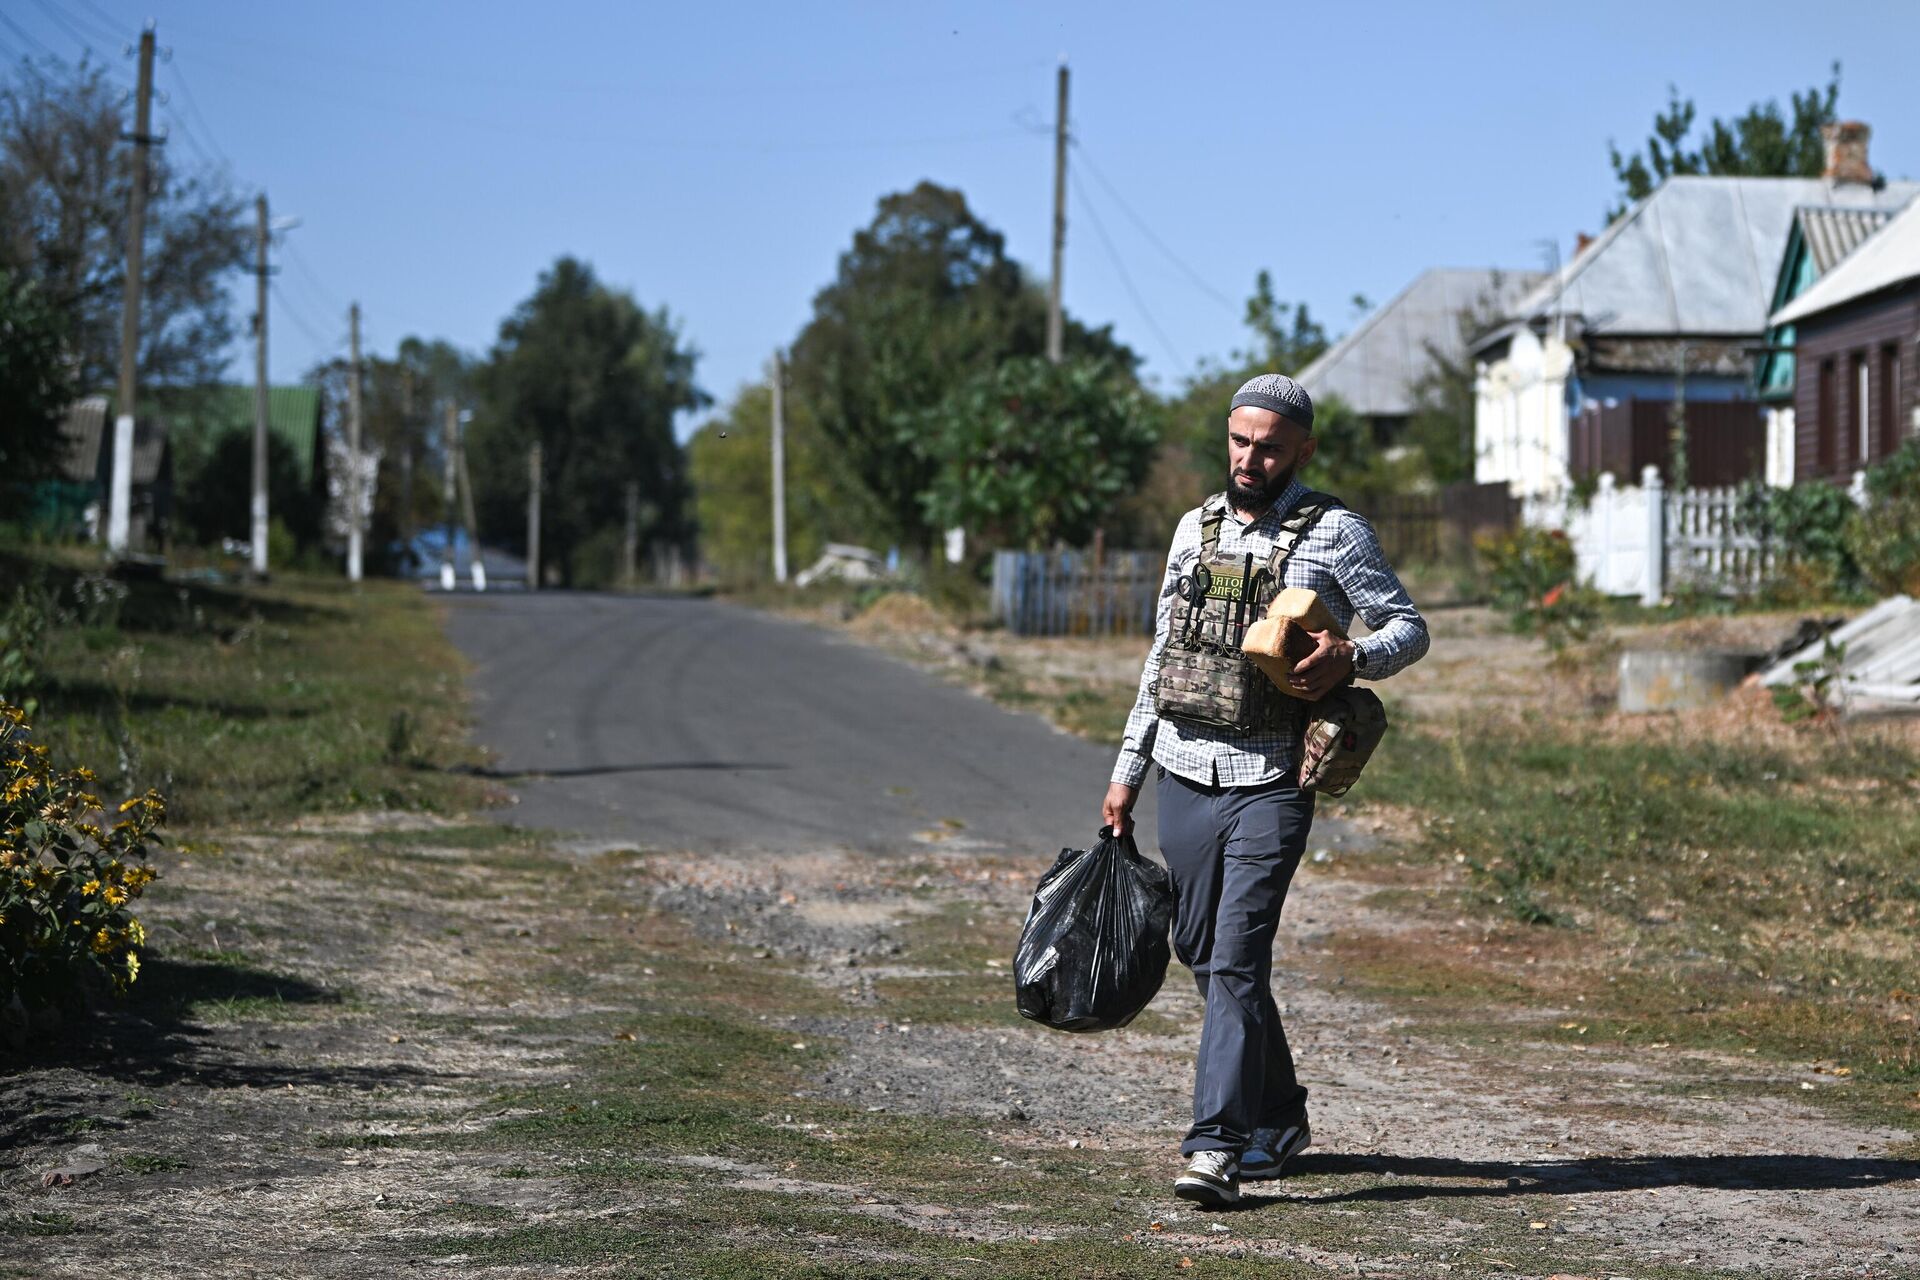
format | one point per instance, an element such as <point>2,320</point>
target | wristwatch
<point>1359,660</point>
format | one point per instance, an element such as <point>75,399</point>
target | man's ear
<point>1306,451</point>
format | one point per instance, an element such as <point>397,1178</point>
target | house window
<point>1889,399</point>
<point>1826,421</point>
<point>1862,418</point>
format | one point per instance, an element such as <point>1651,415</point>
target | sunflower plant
<point>69,875</point>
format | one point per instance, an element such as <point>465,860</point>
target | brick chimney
<point>1847,151</point>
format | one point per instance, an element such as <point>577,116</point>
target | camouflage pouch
<point>1211,686</point>
<point>1343,729</point>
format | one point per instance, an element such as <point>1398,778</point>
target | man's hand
<point>1320,672</point>
<point>1117,811</point>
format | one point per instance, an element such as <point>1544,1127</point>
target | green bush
<point>1808,524</point>
<point>1531,575</point>
<point>66,883</point>
<point>1884,539</point>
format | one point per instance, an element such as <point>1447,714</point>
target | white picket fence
<point>1647,541</point>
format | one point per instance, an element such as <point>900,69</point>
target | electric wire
<point>291,254</point>
<point>105,20</point>
<point>1193,276</point>
<point>87,39</point>
<point>1120,269</point>
<point>326,345</point>
<point>27,36</point>
<point>193,109</point>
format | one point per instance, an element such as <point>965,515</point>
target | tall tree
<point>1762,142</point>
<point>581,368</point>
<point>36,381</point>
<point>65,177</point>
<point>1030,453</point>
<point>1441,427</point>
<point>925,299</point>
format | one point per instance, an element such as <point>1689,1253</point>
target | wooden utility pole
<point>259,503</point>
<point>120,499</point>
<point>406,457</point>
<point>1056,335</point>
<point>779,472</point>
<point>355,548</point>
<point>533,517</point>
<point>630,564</point>
<point>449,446</point>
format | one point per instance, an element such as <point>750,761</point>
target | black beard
<point>1257,497</point>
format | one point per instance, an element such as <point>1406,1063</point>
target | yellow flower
<point>102,942</point>
<point>130,802</point>
<point>136,933</point>
<point>133,966</point>
<point>114,895</point>
<point>90,888</point>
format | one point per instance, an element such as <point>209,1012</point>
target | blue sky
<point>716,158</point>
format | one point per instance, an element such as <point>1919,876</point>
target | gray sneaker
<point>1267,1155</point>
<point>1211,1178</point>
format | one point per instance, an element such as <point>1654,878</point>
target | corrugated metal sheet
<point>1375,367</point>
<point>1698,256</point>
<point>200,415</point>
<point>1885,259</point>
<point>1831,234</point>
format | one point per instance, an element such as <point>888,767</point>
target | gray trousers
<point>1232,852</point>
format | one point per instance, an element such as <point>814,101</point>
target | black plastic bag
<point>1094,949</point>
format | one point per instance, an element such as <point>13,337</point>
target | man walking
<point>1233,819</point>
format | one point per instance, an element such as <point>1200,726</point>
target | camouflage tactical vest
<point>1204,677</point>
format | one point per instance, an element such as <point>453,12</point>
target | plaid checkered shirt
<point>1342,561</point>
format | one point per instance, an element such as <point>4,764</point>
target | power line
<point>193,108</point>
<point>106,20</point>
<point>1147,231</point>
<point>312,277</point>
<point>71,27</point>
<point>327,345</point>
<point>1120,269</point>
<point>27,36</point>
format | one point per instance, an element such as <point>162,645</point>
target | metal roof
<point>1375,367</point>
<point>1889,257</point>
<point>1698,256</point>
<point>201,415</point>
<point>1831,234</point>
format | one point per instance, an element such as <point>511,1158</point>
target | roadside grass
<point>246,704</point>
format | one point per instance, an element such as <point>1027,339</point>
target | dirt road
<point>400,1044</point>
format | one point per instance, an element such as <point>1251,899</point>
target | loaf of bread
<point>1281,638</point>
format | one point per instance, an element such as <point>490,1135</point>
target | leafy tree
<point>1283,338</point>
<point>65,177</point>
<point>730,466</point>
<point>925,299</point>
<point>215,494</point>
<point>1761,143</point>
<point>581,368</point>
<point>1031,453</point>
<point>36,381</point>
<point>403,419</point>
<point>1441,426</point>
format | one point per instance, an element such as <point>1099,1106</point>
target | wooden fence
<point>1438,528</point>
<point>1077,593</point>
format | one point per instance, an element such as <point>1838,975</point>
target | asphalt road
<point>690,724</point>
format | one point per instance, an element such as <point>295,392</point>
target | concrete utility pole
<point>354,546</point>
<point>533,517</point>
<point>448,446</point>
<point>120,500</point>
<point>259,505</point>
<point>1056,335</point>
<point>779,472</point>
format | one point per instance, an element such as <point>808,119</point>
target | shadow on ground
<point>1583,1177</point>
